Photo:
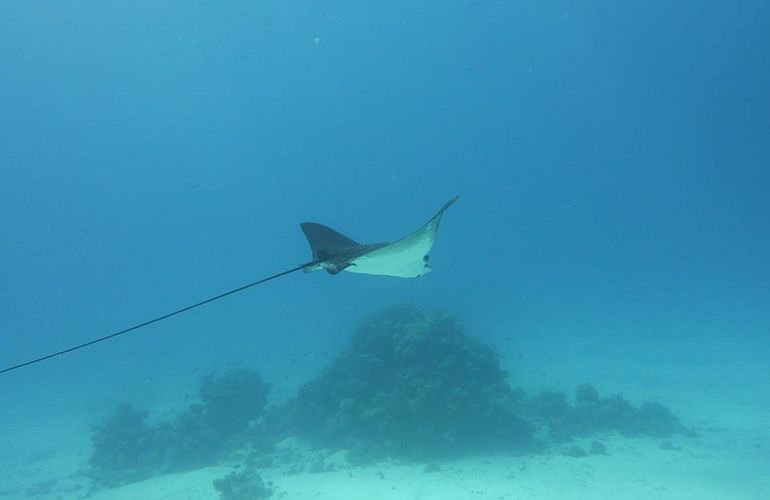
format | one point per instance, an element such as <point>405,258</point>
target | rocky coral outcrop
<point>126,448</point>
<point>412,384</point>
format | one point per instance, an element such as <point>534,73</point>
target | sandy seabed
<point>634,469</point>
<point>722,463</point>
<point>728,460</point>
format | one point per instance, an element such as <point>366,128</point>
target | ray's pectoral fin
<point>407,257</point>
<point>324,241</point>
<point>332,250</point>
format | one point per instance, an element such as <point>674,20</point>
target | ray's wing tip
<point>450,202</point>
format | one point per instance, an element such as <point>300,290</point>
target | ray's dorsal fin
<point>332,250</point>
<point>325,241</point>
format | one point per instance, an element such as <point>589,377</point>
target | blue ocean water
<point>611,159</point>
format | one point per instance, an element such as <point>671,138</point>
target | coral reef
<point>127,449</point>
<point>244,485</point>
<point>412,384</point>
<point>591,413</point>
<point>233,399</point>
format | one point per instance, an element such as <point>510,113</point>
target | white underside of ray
<point>403,258</point>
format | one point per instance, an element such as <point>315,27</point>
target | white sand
<point>703,469</point>
<point>721,464</point>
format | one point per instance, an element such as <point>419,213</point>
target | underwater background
<point>612,161</point>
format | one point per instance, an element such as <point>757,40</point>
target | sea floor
<point>728,460</point>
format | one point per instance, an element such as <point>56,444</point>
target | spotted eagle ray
<point>332,251</point>
<point>405,258</point>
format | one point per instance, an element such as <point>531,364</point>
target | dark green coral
<point>591,413</point>
<point>126,448</point>
<point>246,484</point>
<point>413,384</point>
